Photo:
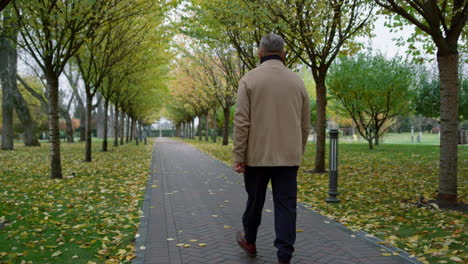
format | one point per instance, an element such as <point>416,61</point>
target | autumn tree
<point>427,100</point>
<point>232,23</point>
<point>317,31</point>
<point>52,32</point>
<point>218,71</point>
<point>11,96</point>
<point>372,90</point>
<point>98,56</point>
<point>440,24</point>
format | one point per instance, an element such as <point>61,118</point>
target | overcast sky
<point>384,39</point>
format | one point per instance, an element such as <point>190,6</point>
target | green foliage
<point>93,215</point>
<point>427,99</point>
<point>221,23</point>
<point>379,192</point>
<point>371,90</point>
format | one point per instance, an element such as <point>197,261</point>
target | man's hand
<point>239,167</point>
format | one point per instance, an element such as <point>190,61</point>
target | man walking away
<point>271,127</point>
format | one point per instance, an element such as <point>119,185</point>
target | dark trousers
<point>284,183</point>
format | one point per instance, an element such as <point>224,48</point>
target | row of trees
<point>205,81</point>
<point>318,31</point>
<point>114,49</point>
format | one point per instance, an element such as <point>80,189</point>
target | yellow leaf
<point>386,254</point>
<point>193,240</point>
<point>186,245</point>
<point>57,253</point>
<point>299,230</point>
<point>202,244</point>
<point>457,259</point>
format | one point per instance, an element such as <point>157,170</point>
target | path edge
<point>141,236</point>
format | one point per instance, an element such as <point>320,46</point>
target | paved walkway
<point>191,196</point>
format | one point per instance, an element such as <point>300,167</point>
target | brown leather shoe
<point>250,249</point>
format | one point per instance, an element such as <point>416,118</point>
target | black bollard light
<point>333,164</point>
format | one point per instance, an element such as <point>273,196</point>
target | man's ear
<point>283,56</point>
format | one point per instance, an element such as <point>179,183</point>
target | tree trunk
<point>370,143</point>
<point>227,116</point>
<point>116,126</point>
<point>83,125</point>
<point>127,135</point>
<point>215,127</point>
<point>321,125</point>
<point>20,105</point>
<point>376,139</point>
<point>54,132</point>
<point>89,110</point>
<point>145,135</point>
<point>69,126</point>
<point>193,128</point>
<point>132,129</point>
<point>177,132</point>
<point>106,117</point>
<point>6,73</point>
<point>137,139</point>
<point>187,128</point>
<point>448,74</point>
<point>207,127</point>
<point>100,117</point>
<point>122,127</point>
<point>142,133</point>
<point>200,129</point>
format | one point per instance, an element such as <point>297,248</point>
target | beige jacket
<point>272,120</point>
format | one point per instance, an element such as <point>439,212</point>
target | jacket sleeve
<point>241,123</point>
<point>305,120</point>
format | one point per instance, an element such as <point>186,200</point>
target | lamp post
<point>333,164</point>
<point>412,135</point>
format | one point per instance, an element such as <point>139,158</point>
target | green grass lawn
<point>90,218</point>
<point>398,138</point>
<point>377,191</point>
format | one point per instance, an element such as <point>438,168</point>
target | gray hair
<point>272,43</point>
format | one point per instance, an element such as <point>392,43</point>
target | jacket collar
<point>272,62</point>
<point>271,57</point>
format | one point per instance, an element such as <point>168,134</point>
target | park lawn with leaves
<point>90,218</point>
<point>379,190</point>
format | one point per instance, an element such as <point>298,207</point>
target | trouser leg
<point>256,182</point>
<point>284,183</point>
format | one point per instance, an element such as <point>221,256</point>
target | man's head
<point>271,44</point>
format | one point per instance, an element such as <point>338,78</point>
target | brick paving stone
<point>196,196</point>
